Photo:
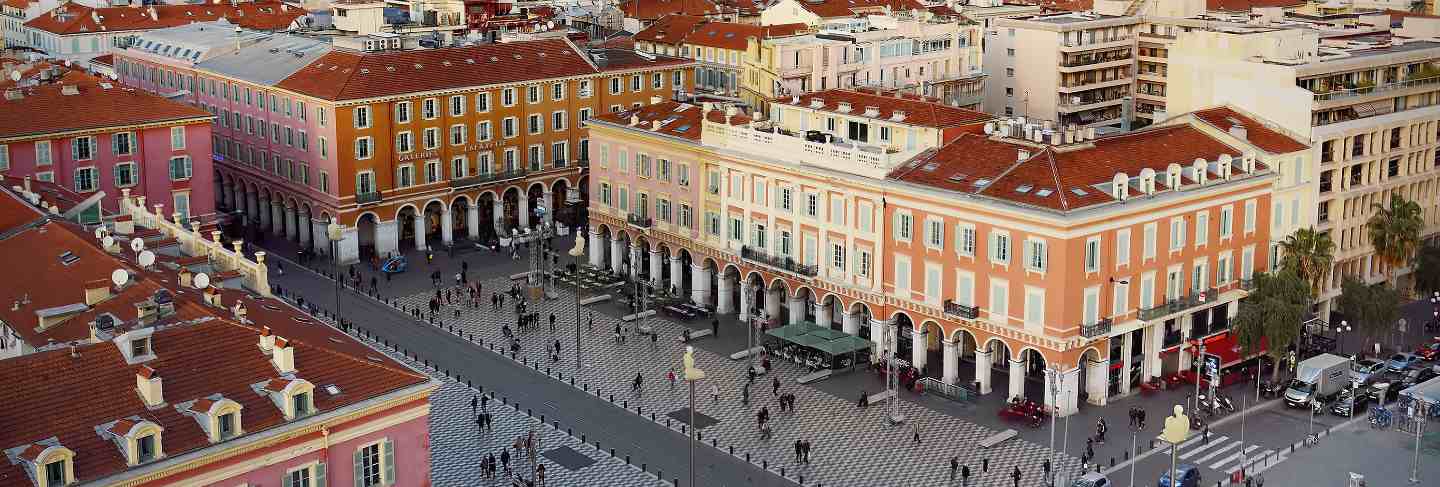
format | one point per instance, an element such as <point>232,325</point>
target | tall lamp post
<point>572,198</point>
<point>692,375</point>
<point>1340,331</point>
<point>336,231</point>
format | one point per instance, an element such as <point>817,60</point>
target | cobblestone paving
<point>851,446</point>
<point>457,445</point>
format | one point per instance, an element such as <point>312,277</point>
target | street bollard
<point>765,464</point>
<point>612,452</point>
<point>625,404</point>
<point>1112,462</point>
<point>747,457</point>
<point>627,459</point>
<point>782,471</point>
<point>612,398</point>
<point>652,415</point>
<point>732,449</point>
<point>715,443</point>
<point>642,467</point>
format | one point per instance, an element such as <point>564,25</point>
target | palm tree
<point>1395,232</point>
<point>1309,254</point>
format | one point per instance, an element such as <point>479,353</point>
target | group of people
<point>802,452</point>
<point>1137,417</point>
<point>489,465</point>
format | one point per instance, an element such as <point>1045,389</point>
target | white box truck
<point>1320,376</point>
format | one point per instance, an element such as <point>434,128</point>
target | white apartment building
<point>1369,104</point>
<point>1076,68</point>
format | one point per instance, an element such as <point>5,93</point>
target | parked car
<point>1429,351</point>
<point>1188,474</point>
<point>1394,382</point>
<point>1350,401</point>
<point>1361,372</point>
<point>1401,361</point>
<point>1092,479</point>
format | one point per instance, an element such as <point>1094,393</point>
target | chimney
<point>187,278</point>
<point>656,124</point>
<point>1239,131</point>
<point>267,340</point>
<point>655,100</point>
<point>96,291</point>
<point>634,120</point>
<point>148,383</point>
<point>1022,155</point>
<point>283,357</point>
<point>706,107</point>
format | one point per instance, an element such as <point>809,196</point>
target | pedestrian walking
<point>954,466</point>
<point>915,430</point>
<point>799,446</point>
<point>654,341</point>
<point>715,327</point>
<point>670,377</point>
<point>965,475</point>
<point>775,386</point>
<point>1045,467</point>
<point>489,422</point>
<point>805,453</point>
<point>985,465</point>
<point>1205,434</point>
<point>592,322</point>
<point>745,394</point>
<point>552,322</point>
<point>474,404</point>
<point>715,393</point>
<point>1015,474</point>
<point>618,337</point>
<point>638,383</point>
<point>485,403</point>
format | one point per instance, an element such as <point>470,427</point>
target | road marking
<point>1213,442</point>
<point>1250,461</point>
<point>1218,451</point>
<point>1233,456</point>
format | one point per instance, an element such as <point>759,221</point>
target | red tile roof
<point>46,109</point>
<point>1246,5</point>
<point>688,29</point>
<point>654,9</point>
<point>349,75</point>
<point>1051,176</point>
<point>677,119</point>
<point>846,8</point>
<point>20,4</point>
<point>50,193</point>
<point>103,60</point>
<point>670,29</point>
<point>919,110</point>
<point>74,18</point>
<point>1266,138</point>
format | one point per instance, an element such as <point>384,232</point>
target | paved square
<point>701,420</point>
<point>569,458</point>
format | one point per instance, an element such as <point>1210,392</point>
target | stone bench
<point>695,334</point>
<point>595,299</point>
<point>743,354</point>
<point>880,396</point>
<point>815,376</point>
<point>636,316</point>
<point>997,438</point>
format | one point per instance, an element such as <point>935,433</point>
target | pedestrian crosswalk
<point>1222,454</point>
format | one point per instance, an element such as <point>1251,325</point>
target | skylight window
<point>931,167</point>
<point>982,182</point>
<point>1024,188</point>
<point>958,177</point>
<point>1043,193</point>
<point>68,258</point>
<point>1078,191</point>
<point>682,128</point>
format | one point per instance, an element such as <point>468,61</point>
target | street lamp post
<point>1340,331</point>
<point>1052,376</point>
<point>336,231</point>
<point>692,375</point>
<point>576,252</point>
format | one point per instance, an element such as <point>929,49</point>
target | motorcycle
<point>1269,390</point>
<point>1225,403</point>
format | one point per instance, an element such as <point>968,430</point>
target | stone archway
<point>366,228</point>
<point>802,306</point>
<point>489,216</point>
<point>932,337</point>
<point>511,207</point>
<point>408,220</point>
<point>462,212</point>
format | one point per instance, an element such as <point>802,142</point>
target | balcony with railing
<point>1097,329</point>
<point>483,178</point>
<point>1366,90</point>
<point>956,309</point>
<point>779,262</point>
<point>1179,304</point>
<point>367,198</point>
<point>639,221</point>
<point>1089,61</point>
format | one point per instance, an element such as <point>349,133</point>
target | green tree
<point>1272,312</point>
<point>1309,254</point>
<point>1372,309</point>
<point>1395,232</point>
<point>1427,270</point>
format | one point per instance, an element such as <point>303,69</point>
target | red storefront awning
<point>1225,346</point>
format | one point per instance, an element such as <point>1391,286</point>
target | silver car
<point>1362,372</point>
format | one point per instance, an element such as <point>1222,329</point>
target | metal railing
<point>963,311</point>
<point>1096,329</point>
<point>1368,90</point>
<point>479,179</point>
<point>639,221</point>
<point>366,198</point>
<point>949,391</point>
<point>1089,60</point>
<point>1178,304</point>
<point>778,262</point>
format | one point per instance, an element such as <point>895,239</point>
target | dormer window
<point>294,397</point>
<point>140,347</point>
<point>225,424</point>
<point>145,449</point>
<point>301,405</point>
<point>55,473</point>
<point>219,417</point>
<point>45,461</point>
<point>139,440</point>
<point>136,345</point>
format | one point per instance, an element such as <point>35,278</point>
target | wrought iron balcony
<point>963,311</point>
<point>479,179</point>
<point>639,221</point>
<point>366,198</point>
<point>1179,304</point>
<point>1099,328</point>
<point>783,263</point>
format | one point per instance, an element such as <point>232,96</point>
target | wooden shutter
<point>387,452</point>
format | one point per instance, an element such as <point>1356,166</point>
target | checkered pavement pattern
<point>850,446</point>
<point>457,445</point>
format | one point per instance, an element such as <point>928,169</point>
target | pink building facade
<point>161,151</point>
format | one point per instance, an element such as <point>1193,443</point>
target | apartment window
<point>560,153</point>
<point>404,142</point>
<point>735,229</point>
<point>507,97</point>
<point>145,449</point>
<point>125,174</point>
<point>373,468</point>
<point>584,115</point>
<point>615,85</point>
<point>1009,72</point>
<point>1222,269</point>
<point>965,239</point>
<point>86,179</point>
<point>82,148</point>
<point>4,157</point>
<point>402,112</point>
<point>532,94</point>
<point>1177,234</point>
<point>837,256</point>
<point>557,91</point>
<point>533,124</point>
<point>1092,254</point>
<point>903,223</point>
<point>999,300</point>
<point>428,110</point>
<point>1357,148</point>
<point>557,121</point>
<point>1249,217</point>
<point>584,88</point>
<point>1034,307</point>
<point>362,148</point>
<point>812,205</point>
<point>405,176</point>
<point>635,83</point>
<point>1000,248</point>
<point>1036,256</point>
<point>686,220</point>
<point>535,163</point>
<point>432,138</point>
<point>482,102</point>
<point>55,473</point>
<point>121,144</point>
<point>457,135</point>
<point>457,106</point>
<point>605,194</point>
<point>1227,217</point>
<point>180,168</point>
<point>657,80</point>
<point>1202,229</point>
<point>324,182</point>
<point>482,131</point>
<point>684,175</point>
<point>1151,230</point>
<point>935,233</point>
<point>362,117</point>
<point>432,171</point>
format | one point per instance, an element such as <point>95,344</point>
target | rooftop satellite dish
<point>14,76</point>
<point>107,241</point>
<point>137,244</point>
<point>202,281</point>
<point>147,258</point>
<point>120,277</point>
